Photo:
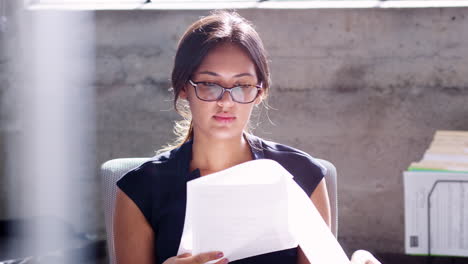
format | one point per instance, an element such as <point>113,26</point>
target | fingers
<point>222,261</point>
<point>205,257</point>
<point>363,257</point>
<point>201,258</point>
<point>185,255</point>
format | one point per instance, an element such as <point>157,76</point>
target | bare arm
<point>320,199</point>
<point>133,236</point>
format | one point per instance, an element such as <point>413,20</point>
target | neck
<point>212,155</point>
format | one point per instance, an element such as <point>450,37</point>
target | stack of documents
<point>448,152</point>
<point>436,198</point>
<point>255,208</point>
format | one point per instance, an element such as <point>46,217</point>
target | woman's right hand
<point>201,258</point>
<point>363,257</point>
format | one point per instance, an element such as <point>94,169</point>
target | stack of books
<point>448,152</point>
<point>436,198</point>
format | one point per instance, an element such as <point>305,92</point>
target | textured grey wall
<point>365,89</point>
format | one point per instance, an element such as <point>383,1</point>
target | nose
<point>226,99</point>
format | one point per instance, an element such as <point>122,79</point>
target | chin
<point>224,134</point>
<point>217,132</point>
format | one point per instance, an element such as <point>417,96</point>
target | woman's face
<point>227,65</point>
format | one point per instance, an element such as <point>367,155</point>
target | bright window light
<point>235,4</point>
<point>65,2</point>
<point>84,4</point>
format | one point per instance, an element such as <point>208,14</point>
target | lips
<point>224,118</point>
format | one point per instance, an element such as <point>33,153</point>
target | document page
<point>255,208</point>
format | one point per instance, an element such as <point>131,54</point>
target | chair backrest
<point>331,181</point>
<point>112,170</point>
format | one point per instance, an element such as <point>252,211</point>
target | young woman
<point>221,73</point>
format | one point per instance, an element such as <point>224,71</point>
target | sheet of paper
<point>255,208</point>
<point>312,233</point>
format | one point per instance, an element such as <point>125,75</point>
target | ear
<point>259,98</point>
<point>183,93</point>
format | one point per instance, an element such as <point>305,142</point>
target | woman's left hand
<point>363,257</point>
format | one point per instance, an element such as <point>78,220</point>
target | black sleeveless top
<point>158,188</point>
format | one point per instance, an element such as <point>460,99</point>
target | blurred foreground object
<point>51,158</point>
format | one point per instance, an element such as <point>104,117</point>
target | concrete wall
<point>365,89</point>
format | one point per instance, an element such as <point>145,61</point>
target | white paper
<point>255,208</point>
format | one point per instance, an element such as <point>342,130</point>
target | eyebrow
<point>215,74</point>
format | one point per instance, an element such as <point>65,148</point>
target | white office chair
<point>112,170</point>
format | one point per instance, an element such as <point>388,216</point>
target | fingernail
<point>220,255</point>
<point>225,261</point>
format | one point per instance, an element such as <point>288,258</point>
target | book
<point>447,152</point>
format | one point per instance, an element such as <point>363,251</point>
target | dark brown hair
<point>199,39</point>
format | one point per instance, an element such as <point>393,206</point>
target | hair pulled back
<point>199,39</point>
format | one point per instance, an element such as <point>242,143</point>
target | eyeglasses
<point>210,92</point>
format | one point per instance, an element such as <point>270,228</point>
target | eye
<point>208,84</point>
<point>243,85</point>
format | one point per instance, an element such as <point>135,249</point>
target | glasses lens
<point>244,94</point>
<point>208,91</point>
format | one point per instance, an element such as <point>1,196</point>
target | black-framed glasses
<point>210,92</point>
